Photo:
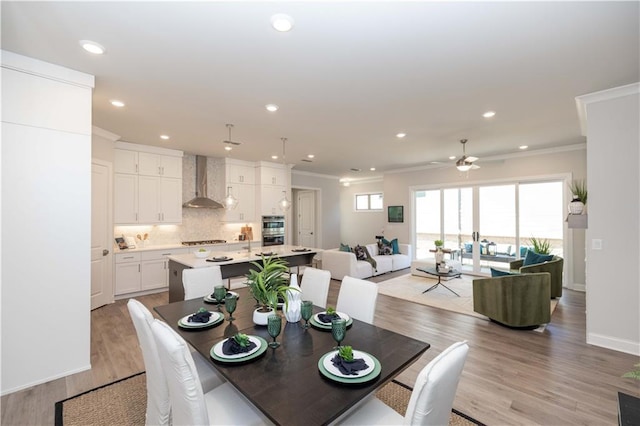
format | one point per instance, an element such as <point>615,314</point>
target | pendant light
<point>230,202</point>
<point>284,203</point>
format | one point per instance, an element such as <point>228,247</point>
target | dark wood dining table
<point>285,383</point>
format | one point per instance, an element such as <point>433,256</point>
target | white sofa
<point>342,263</point>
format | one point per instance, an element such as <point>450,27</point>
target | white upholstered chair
<point>223,405</point>
<point>198,282</point>
<point>315,286</point>
<point>158,405</point>
<point>432,397</point>
<point>357,298</point>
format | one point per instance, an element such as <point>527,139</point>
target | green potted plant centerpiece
<point>540,245</point>
<point>438,243</point>
<point>579,190</point>
<point>267,283</point>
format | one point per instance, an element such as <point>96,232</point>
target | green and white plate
<point>216,318</point>
<point>210,299</point>
<point>314,321</point>
<point>217,355</point>
<point>328,370</point>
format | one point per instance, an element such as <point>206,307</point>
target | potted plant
<point>579,190</point>
<point>540,246</point>
<point>438,243</point>
<point>268,283</point>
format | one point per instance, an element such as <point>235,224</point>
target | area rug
<point>124,402</point>
<point>410,287</point>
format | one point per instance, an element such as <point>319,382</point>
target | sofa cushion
<point>384,264</point>
<point>533,258</point>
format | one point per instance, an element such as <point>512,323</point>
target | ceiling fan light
<point>281,22</point>
<point>464,167</point>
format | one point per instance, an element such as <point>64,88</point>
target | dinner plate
<point>361,378</point>
<point>217,355</point>
<point>220,259</point>
<point>215,318</point>
<point>300,250</point>
<point>210,299</point>
<point>314,321</point>
<point>328,365</point>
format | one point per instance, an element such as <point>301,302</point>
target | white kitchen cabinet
<point>125,161</point>
<point>238,178</point>
<point>272,174</point>
<point>245,211</point>
<point>125,198</point>
<point>270,197</point>
<point>240,173</point>
<point>147,185</point>
<point>143,271</point>
<point>159,165</point>
<point>272,184</point>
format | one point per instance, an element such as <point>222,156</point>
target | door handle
<point>105,252</point>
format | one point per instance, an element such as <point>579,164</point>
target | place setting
<point>222,297</point>
<point>239,348</point>
<point>201,319</point>
<point>322,320</point>
<point>300,250</point>
<point>220,259</point>
<point>344,364</point>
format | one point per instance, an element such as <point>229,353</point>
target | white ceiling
<point>347,78</point>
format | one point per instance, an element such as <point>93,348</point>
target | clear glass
<point>230,303</point>
<point>306,311</point>
<point>375,201</point>
<point>339,330</point>
<point>362,202</point>
<point>541,212</point>
<point>219,293</point>
<point>274,326</point>
<point>427,222</point>
<point>458,223</point>
<point>497,216</point>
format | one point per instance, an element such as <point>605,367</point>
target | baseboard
<point>48,379</point>
<point>579,287</point>
<point>620,345</point>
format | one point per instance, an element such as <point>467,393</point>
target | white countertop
<point>140,248</point>
<point>238,256</point>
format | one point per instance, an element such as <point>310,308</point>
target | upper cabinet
<point>147,185</point>
<point>272,185</point>
<point>236,177</point>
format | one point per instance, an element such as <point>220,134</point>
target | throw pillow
<point>533,258</point>
<point>500,273</point>
<point>395,248</point>
<point>468,247</point>
<point>385,249</point>
<point>344,247</point>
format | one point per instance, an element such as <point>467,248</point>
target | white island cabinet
<point>143,272</point>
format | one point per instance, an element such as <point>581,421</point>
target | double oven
<point>272,230</point>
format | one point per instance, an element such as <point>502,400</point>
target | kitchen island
<point>239,263</point>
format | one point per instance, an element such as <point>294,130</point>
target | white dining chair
<point>158,404</point>
<point>315,286</point>
<point>431,399</point>
<point>223,405</point>
<point>199,282</point>
<point>357,298</point>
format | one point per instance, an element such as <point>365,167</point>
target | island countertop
<point>240,256</point>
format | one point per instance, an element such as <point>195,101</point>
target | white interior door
<point>101,230</point>
<point>307,218</point>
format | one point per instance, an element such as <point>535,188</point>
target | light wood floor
<point>510,378</point>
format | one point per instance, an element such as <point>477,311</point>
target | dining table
<point>287,383</point>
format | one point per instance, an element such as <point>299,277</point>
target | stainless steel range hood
<point>201,201</point>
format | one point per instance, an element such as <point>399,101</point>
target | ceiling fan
<point>229,141</point>
<point>465,163</point>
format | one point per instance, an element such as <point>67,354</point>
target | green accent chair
<point>520,300</point>
<point>554,267</point>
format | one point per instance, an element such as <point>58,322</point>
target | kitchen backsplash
<point>197,224</point>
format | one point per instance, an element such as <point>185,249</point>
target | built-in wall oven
<point>272,230</point>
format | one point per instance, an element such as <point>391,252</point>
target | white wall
<point>46,221</point>
<point>613,289</point>
<point>362,227</point>
<point>329,204</point>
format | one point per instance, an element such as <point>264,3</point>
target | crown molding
<point>318,175</point>
<point>603,95</point>
<point>104,133</point>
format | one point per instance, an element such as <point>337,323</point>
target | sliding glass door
<point>488,226</point>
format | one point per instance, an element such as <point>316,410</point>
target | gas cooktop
<point>202,242</point>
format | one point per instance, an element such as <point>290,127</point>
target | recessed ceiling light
<point>274,157</point>
<point>165,137</point>
<point>92,47</point>
<point>228,148</point>
<point>373,169</point>
<point>272,107</point>
<point>401,135</point>
<point>311,156</point>
<point>523,146</point>
<point>117,103</point>
<point>489,114</point>
<point>452,157</point>
<point>346,183</point>
<point>281,22</point>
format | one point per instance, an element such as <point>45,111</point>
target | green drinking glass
<point>338,330</point>
<point>219,293</point>
<point>230,303</point>
<point>306,310</point>
<point>274,325</point>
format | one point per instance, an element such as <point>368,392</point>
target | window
<point>366,202</point>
